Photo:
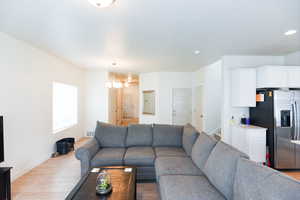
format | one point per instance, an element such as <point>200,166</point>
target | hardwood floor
<point>294,174</point>
<point>126,122</point>
<point>55,178</point>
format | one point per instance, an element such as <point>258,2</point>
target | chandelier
<point>117,83</point>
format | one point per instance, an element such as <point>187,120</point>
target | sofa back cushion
<point>202,149</point>
<point>220,167</point>
<point>167,135</point>
<point>139,135</point>
<point>254,181</point>
<point>109,135</point>
<point>189,137</point>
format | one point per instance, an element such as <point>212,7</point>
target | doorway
<point>182,106</point>
<point>123,99</point>
<point>198,116</point>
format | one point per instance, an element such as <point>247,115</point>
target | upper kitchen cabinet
<point>243,87</point>
<point>278,77</point>
<point>293,77</point>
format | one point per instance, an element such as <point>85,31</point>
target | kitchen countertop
<point>250,127</point>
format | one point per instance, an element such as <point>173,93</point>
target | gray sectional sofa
<point>186,164</point>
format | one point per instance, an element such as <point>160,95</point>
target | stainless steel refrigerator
<point>279,111</point>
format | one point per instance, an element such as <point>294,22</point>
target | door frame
<point>172,101</point>
<point>195,89</point>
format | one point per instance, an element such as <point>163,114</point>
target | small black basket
<point>65,145</point>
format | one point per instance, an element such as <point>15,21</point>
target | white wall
<point>149,81</point>
<point>96,98</point>
<point>168,81</point>
<point>229,62</point>
<point>210,77</point>
<point>292,59</point>
<point>26,76</point>
<point>162,83</point>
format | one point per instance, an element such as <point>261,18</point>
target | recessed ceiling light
<point>197,52</point>
<point>102,3</point>
<point>290,32</point>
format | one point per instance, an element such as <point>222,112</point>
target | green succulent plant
<point>103,185</point>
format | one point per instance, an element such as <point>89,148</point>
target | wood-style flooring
<point>294,174</point>
<point>55,178</point>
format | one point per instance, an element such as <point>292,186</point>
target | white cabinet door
<point>272,77</point>
<point>239,139</point>
<point>250,140</point>
<point>243,87</point>
<point>294,77</point>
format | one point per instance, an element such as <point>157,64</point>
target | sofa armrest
<point>86,153</point>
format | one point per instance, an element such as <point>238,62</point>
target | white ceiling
<point>153,35</point>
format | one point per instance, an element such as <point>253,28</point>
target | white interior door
<point>198,116</point>
<point>182,106</point>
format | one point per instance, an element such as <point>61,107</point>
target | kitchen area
<point>266,124</point>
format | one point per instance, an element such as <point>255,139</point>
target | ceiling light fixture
<point>102,3</point>
<point>197,52</point>
<point>290,32</point>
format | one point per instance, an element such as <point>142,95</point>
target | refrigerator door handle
<point>297,121</point>
<point>293,135</point>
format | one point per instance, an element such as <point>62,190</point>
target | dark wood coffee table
<point>123,183</point>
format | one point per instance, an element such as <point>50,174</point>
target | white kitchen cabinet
<point>243,87</point>
<point>250,140</point>
<point>278,77</point>
<point>293,77</point>
<point>271,77</point>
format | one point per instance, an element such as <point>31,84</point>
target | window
<point>64,106</point>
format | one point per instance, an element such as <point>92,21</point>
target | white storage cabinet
<point>278,77</point>
<point>243,87</point>
<point>250,140</point>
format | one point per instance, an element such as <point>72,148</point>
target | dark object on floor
<point>65,145</point>
<point>5,192</point>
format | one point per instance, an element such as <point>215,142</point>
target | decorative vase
<point>103,184</point>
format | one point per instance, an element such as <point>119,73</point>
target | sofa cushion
<point>175,165</point>
<point>145,173</point>
<point>220,167</point>
<point>169,151</point>
<point>179,187</point>
<point>139,135</point>
<point>108,156</point>
<point>167,135</point>
<point>189,137</point>
<point>202,149</point>
<point>139,156</point>
<point>254,181</point>
<point>109,135</point>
